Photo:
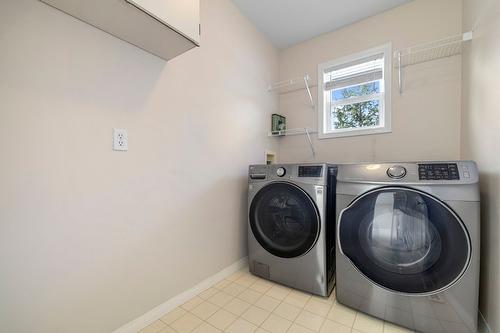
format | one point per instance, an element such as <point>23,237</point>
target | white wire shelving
<point>298,83</point>
<point>442,48</point>
<point>296,131</point>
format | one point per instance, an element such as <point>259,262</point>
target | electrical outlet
<point>120,139</point>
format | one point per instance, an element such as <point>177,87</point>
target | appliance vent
<point>261,269</point>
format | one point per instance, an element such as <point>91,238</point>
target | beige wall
<point>90,238</point>
<point>425,119</point>
<point>481,138</point>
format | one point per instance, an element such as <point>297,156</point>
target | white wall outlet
<point>120,139</point>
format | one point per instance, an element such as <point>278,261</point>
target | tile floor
<point>244,303</point>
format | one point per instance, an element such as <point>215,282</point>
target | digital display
<point>441,171</point>
<point>310,170</point>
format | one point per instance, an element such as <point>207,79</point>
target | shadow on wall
<point>490,191</point>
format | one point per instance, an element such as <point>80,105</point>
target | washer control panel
<point>396,171</point>
<point>438,171</point>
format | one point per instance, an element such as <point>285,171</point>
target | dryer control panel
<point>438,171</point>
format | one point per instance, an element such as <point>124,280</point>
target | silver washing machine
<point>291,225</point>
<point>408,243</point>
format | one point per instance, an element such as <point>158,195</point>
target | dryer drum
<point>404,240</point>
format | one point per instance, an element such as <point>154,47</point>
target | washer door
<point>404,240</point>
<point>284,220</point>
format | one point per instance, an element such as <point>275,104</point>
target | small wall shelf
<point>446,47</point>
<point>294,84</point>
<point>296,131</point>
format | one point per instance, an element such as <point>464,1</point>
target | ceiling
<point>288,22</point>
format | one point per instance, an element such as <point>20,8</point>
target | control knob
<point>396,171</point>
<point>280,172</point>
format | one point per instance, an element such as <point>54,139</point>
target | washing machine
<point>408,243</point>
<point>291,225</point>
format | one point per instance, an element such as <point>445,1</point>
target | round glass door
<point>404,240</point>
<point>284,220</point>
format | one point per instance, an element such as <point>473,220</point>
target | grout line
<point>248,287</point>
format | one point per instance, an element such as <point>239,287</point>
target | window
<point>354,94</point>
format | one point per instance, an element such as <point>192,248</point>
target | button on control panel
<point>396,171</point>
<point>438,171</point>
<point>280,172</point>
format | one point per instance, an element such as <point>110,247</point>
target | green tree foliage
<point>356,115</point>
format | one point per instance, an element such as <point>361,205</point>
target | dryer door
<point>404,240</point>
<point>284,220</point>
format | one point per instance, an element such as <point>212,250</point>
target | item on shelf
<point>278,124</point>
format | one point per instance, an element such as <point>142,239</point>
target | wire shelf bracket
<point>298,83</point>
<point>296,131</point>
<point>446,47</point>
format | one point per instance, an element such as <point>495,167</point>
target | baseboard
<point>162,309</point>
<point>483,325</point>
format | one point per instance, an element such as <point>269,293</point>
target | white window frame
<point>385,100</point>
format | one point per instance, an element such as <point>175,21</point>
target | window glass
<point>356,115</point>
<point>355,91</point>
<point>355,94</point>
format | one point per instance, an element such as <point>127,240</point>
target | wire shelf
<point>292,131</point>
<point>296,131</point>
<point>442,48</point>
<point>298,83</point>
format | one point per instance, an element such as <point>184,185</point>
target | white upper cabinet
<point>181,15</point>
<point>165,28</point>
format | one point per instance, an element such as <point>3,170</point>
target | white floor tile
<point>299,329</point>
<point>342,314</point>
<point>318,307</point>
<point>241,326</point>
<point>243,303</point>
<point>250,296</point>
<point>173,315</point>
<point>287,311</point>
<point>205,310</point>
<point>255,315</point>
<point>192,303</point>
<point>310,320</point>
<point>276,324</point>
<point>186,323</point>
<point>332,326</point>
<point>234,289</point>
<point>297,298</point>
<point>155,327</point>
<point>267,303</point>
<point>368,324</point>
<point>206,328</point>
<point>220,299</point>
<point>236,306</point>
<point>206,294</point>
<point>222,319</point>
<point>279,292</point>
<point>222,284</point>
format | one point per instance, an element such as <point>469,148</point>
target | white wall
<point>90,238</point>
<point>425,119</point>
<point>481,138</point>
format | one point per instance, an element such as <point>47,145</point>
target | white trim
<point>159,311</point>
<point>483,326</point>
<point>385,116</point>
